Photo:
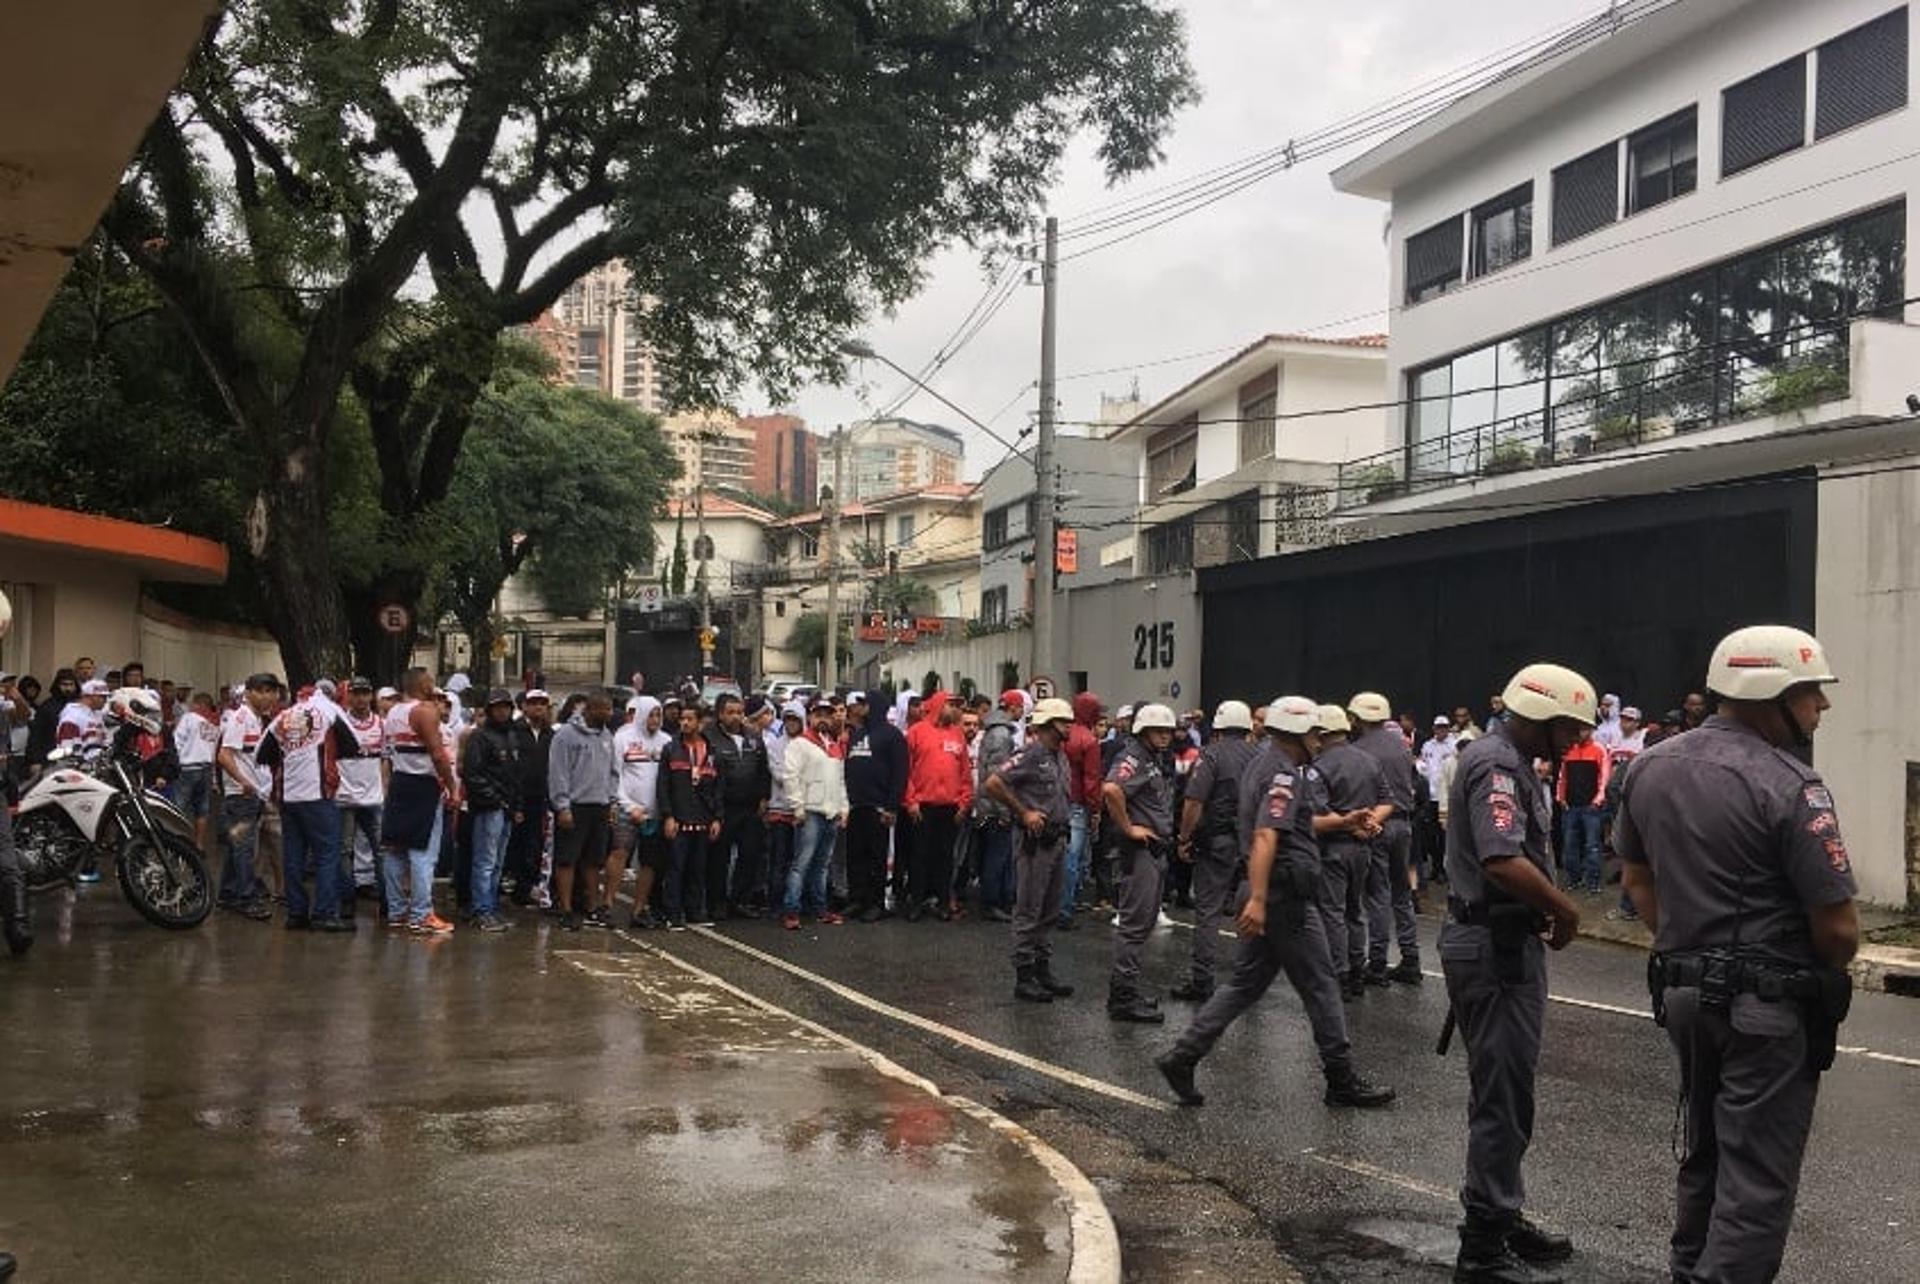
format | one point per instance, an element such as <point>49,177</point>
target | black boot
<point>1351,986</point>
<point>1043,973</point>
<point>1487,1258</point>
<point>15,921</point>
<point>1531,1242</point>
<point>1027,986</point>
<point>1178,1069</point>
<point>1192,990</point>
<point>1408,973</point>
<point>1345,1088</point>
<point>1127,1005</point>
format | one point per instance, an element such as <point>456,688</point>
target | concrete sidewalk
<point>247,1103</point>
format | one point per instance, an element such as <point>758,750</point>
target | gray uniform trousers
<point>1293,943</point>
<point>1345,868</point>
<point>1390,896</point>
<point>1216,868</point>
<point>1500,1022</point>
<point>1750,1106</point>
<point>1142,879</point>
<point>1039,879</point>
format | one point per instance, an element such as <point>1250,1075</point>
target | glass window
<point>1172,455</point>
<point>903,529</point>
<point>1586,193</point>
<point>993,606</point>
<point>1243,527</point>
<point>1503,231</point>
<point>1664,161</point>
<point>1433,261</point>
<point>1763,117</point>
<point>1431,394</point>
<point>1170,546</point>
<point>1256,429</point>
<point>1521,400</point>
<point>1863,74</point>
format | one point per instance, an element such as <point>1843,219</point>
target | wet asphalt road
<point>245,1103</point>
<point>1369,1196</point>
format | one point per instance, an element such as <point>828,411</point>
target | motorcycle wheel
<point>47,855</point>
<point>147,877</point>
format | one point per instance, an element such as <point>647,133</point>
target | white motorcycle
<point>79,808</point>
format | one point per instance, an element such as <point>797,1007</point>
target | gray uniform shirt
<point>1386,746</point>
<point>1737,832</point>
<point>1495,810</point>
<point>1349,779</point>
<point>1267,761</point>
<point>1148,787</point>
<point>1215,781</point>
<point>1039,778</point>
<point>1279,799</point>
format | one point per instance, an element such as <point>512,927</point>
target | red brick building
<point>786,457</point>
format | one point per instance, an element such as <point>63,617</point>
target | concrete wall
<point>1324,383</point>
<point>1798,191</point>
<point>1104,489</point>
<point>206,655</point>
<point>1867,601</point>
<point>1133,640</point>
<point>76,606</point>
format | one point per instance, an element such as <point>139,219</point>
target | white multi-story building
<point>603,348</point>
<point>1649,323</point>
<point>886,456</point>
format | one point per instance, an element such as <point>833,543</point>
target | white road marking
<point>1095,1255</point>
<point>1361,1168</point>
<point>1073,1077</point>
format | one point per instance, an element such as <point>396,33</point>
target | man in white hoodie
<point>816,782</point>
<point>637,747</point>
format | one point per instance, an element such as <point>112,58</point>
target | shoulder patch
<point>1837,855</point>
<point>1279,795</point>
<point>1124,769</point>
<point>1818,797</point>
<point>1500,782</point>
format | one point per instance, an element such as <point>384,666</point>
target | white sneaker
<point>1164,920</point>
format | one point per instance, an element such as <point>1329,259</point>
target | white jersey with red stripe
<point>361,784</point>
<point>408,751</point>
<point>242,733</point>
<point>308,770</point>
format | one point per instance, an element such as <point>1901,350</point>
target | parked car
<point>780,686</point>
<point>713,688</point>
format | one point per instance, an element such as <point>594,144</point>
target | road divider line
<point>1095,1254</point>
<point>1361,1168</point>
<point>1074,1078</point>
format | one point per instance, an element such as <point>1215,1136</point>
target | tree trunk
<point>288,531</point>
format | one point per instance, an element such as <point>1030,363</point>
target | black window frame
<point>1242,517</point>
<point>1436,283</point>
<point>1170,546</point>
<point>1566,227</point>
<point>994,526</point>
<point>1662,134</point>
<point>1866,46</point>
<point>1517,201</point>
<point>1738,160</point>
<point>996,604</point>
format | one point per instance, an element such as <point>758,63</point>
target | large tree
<point>771,171</point>
<point>558,481</point>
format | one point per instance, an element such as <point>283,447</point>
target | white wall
<point>1801,190</point>
<point>1219,448</point>
<point>1323,383</point>
<point>206,655</point>
<point>1867,613</point>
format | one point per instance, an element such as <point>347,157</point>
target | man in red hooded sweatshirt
<point>1083,761</point>
<point>939,789</point>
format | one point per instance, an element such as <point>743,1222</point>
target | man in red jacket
<point>939,789</point>
<point>1083,762</point>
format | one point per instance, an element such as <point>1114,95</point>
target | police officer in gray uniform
<point>1389,893</point>
<point>1503,907</point>
<point>1209,819</point>
<point>1735,860</point>
<point>1279,920</point>
<point>1139,794</point>
<point>1351,806</point>
<point>1033,785</point>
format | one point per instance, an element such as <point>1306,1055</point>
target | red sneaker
<point>831,919</point>
<point>791,922</point>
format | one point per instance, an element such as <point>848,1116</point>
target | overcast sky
<point>1287,254</point>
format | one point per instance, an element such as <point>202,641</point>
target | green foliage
<point>1009,674</point>
<point>930,683</point>
<point>809,638</point>
<point>1801,386</point>
<point>1375,481</point>
<point>1506,457</point>
<point>1618,430</point>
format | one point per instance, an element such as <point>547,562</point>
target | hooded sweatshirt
<point>580,766</point>
<point>939,768</point>
<point>997,744</point>
<point>876,765</point>
<point>1083,752</point>
<point>638,754</point>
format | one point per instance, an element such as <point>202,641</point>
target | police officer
<point>1389,893</point>
<point>1209,818</point>
<point>1034,785</point>
<point>1350,809</point>
<point>1735,860</point>
<point>1139,794</point>
<point>1503,907</point>
<point>1279,921</point>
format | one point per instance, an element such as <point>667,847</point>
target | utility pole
<point>700,550</point>
<point>831,677</point>
<point>1045,491</point>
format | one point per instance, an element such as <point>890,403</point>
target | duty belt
<point>1737,975</point>
<point>1484,914</point>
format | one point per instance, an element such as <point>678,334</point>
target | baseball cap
<point>360,684</point>
<point>258,682</point>
<point>856,697</point>
<point>94,686</point>
<point>1124,711</point>
<point>1442,720</point>
<point>499,695</point>
<point>794,709</point>
<point>1631,712</point>
<point>539,693</point>
<point>386,693</point>
<point>5,676</point>
<point>326,687</point>
<point>1013,695</point>
<point>755,703</point>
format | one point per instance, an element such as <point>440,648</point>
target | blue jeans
<point>417,868</point>
<point>310,845</point>
<point>1580,846</point>
<point>491,830</point>
<point>995,845</point>
<point>1076,858</point>
<point>812,862</point>
<point>239,834</point>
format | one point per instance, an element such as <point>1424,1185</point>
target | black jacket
<point>746,779</point>
<point>492,768</point>
<point>534,748</point>
<point>876,765</point>
<point>690,793</point>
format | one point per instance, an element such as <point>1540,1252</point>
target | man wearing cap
<point>1348,796</point>
<point>876,783</point>
<point>1278,922</point>
<point>82,728</point>
<point>1139,794</point>
<point>1389,889</point>
<point>362,793</point>
<point>196,742</point>
<point>244,788</point>
<point>781,819</point>
<point>1209,838</point>
<point>1734,858</point>
<point>1503,906</point>
<point>816,781</point>
<point>1034,784</point>
<point>490,776</point>
<point>530,849</point>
